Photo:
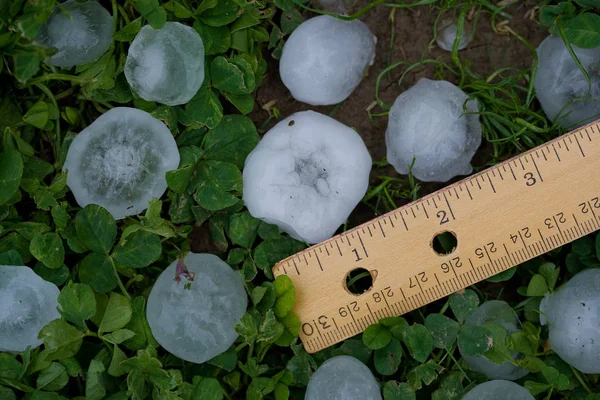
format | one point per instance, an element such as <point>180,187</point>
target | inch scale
<point>501,217</point>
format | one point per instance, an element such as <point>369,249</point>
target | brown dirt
<point>413,32</point>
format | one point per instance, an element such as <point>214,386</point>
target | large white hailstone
<point>194,305</point>
<point>325,59</point>
<point>427,123</point>
<point>559,80</point>
<point>81,32</point>
<point>574,314</point>
<point>119,162</point>
<point>343,378</point>
<point>306,175</point>
<point>166,65</point>
<point>499,312</point>
<point>447,32</point>
<point>498,390</point>
<point>27,304</point>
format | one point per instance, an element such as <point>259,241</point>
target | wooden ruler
<point>501,217</point>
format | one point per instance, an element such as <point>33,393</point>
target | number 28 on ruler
<point>501,217</point>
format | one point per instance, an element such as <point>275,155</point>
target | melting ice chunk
<point>325,59</point>
<point>427,122</point>
<point>498,312</point>
<point>192,309</point>
<point>166,65</point>
<point>498,390</point>
<point>562,88</point>
<point>27,304</point>
<point>447,32</point>
<point>119,162</point>
<point>81,32</point>
<point>306,175</point>
<point>343,378</point>
<point>574,314</point>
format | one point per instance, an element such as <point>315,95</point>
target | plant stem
<point>57,77</point>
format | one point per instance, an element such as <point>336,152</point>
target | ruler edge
<point>279,266</point>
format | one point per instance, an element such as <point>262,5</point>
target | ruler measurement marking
<point>319,261</point>
<point>579,145</point>
<point>449,207</point>
<point>537,170</point>
<point>363,246</point>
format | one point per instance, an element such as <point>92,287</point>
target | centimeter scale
<point>501,217</point>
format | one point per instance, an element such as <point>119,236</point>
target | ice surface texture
<point>196,324</point>
<point>306,175</point>
<point>81,32</point>
<point>428,122</point>
<point>574,312</point>
<point>498,390</point>
<point>166,65</point>
<point>498,312</point>
<point>325,59</point>
<point>27,304</point>
<point>447,34</point>
<point>119,162</point>
<point>343,378</point>
<point>558,81</point>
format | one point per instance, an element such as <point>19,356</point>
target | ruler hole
<point>359,281</point>
<point>444,243</point>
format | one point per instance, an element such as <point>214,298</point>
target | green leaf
<point>270,252</point>
<point>247,328</point>
<point>61,339</point>
<point>499,352</point>
<point>424,373</point>
<point>150,9</point>
<point>588,3</point>
<point>474,340</point>
<point>393,390</point>
<point>502,276</point>
<point>216,40</point>
<point>138,250</point>
<point>233,76</point>
<point>94,385</point>
<point>205,108</point>
<point>11,257</point>
<point>115,369</point>
<point>129,31</point>
<point>232,140</point>
<point>96,228</point>
<point>224,14</point>
<point>443,329</point>
<point>56,276</point>
<point>419,342</point>
<point>537,286</point>
<point>583,30</point>
<point>286,295</point>
<point>139,325</point>
<point>213,181</point>
<point>117,314</point>
<point>550,273</point>
<point>9,366</point>
<point>38,115</point>
<point>178,10</point>
<point>376,336</point>
<point>9,112</point>
<point>206,389</point>
<point>270,328</point>
<point>291,328</point>
<point>243,102</point>
<point>463,304</point>
<point>119,336</point>
<point>548,13</point>
<point>11,171</point>
<point>259,387</point>
<point>77,303</point>
<point>26,66</point>
<point>98,271</point>
<point>387,360</point>
<point>48,248</point>
<point>50,374</point>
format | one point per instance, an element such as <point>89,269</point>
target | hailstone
<point>343,378</point>
<point>306,175</point>
<point>325,59</point>
<point>447,32</point>
<point>574,314</point>
<point>27,304</point>
<point>498,390</point>
<point>559,81</point>
<point>166,65</point>
<point>194,306</point>
<point>499,312</point>
<point>119,161</point>
<point>81,32</point>
<point>427,123</point>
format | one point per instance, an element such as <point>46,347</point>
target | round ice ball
<point>306,175</point>
<point>498,390</point>
<point>325,59</point>
<point>574,313</point>
<point>119,161</point>
<point>166,65</point>
<point>194,319</point>
<point>343,378</point>
<point>81,32</point>
<point>447,32</point>
<point>27,304</point>
<point>427,123</point>
<point>559,81</point>
<point>501,313</point>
